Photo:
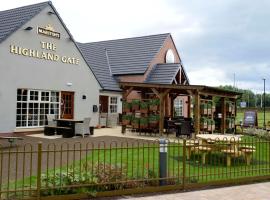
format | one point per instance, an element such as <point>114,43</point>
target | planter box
<point>142,126</point>
<point>211,127</point>
<point>125,122</point>
<point>144,110</point>
<point>203,126</point>
<point>204,111</point>
<point>153,124</point>
<point>127,110</point>
<point>135,125</point>
<point>135,107</point>
<point>153,107</point>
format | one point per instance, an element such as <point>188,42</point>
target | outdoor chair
<point>186,128</point>
<point>51,120</point>
<point>83,128</point>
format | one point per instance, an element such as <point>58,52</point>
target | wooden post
<point>223,113</point>
<point>161,114</point>
<point>189,108</point>
<point>197,113</point>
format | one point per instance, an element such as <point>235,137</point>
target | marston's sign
<point>48,31</point>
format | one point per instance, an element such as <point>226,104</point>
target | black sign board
<point>250,118</point>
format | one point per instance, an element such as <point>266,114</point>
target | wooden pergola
<point>195,91</point>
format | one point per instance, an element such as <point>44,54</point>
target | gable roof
<point>132,55</point>
<point>96,58</point>
<point>12,20</point>
<point>163,73</point>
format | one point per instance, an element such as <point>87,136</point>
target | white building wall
<point>18,71</point>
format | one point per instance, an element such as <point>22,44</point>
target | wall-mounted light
<point>29,28</point>
<point>51,13</point>
<point>69,84</point>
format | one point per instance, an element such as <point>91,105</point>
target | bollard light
<point>163,148</point>
<point>163,144</point>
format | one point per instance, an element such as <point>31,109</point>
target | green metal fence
<point>37,171</point>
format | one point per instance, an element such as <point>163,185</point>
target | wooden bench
<point>204,150</point>
<point>230,153</point>
<point>11,139</point>
<point>247,151</point>
<point>66,132</point>
<point>190,146</point>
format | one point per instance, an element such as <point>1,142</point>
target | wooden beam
<point>156,92</point>
<point>127,92</point>
<point>223,115</point>
<point>189,107</point>
<point>161,115</point>
<point>197,113</point>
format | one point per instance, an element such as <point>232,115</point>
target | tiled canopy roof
<point>163,73</point>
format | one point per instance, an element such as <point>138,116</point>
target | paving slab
<point>258,191</point>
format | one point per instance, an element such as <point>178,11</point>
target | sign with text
<point>250,118</point>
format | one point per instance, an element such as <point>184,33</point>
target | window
<point>113,104</point>
<point>34,105</point>
<point>178,107</point>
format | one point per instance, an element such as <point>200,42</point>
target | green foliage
<point>135,102</point>
<point>127,117</point>
<point>153,118</point>
<point>203,106</point>
<point>143,120</point>
<point>144,105</point>
<point>126,104</point>
<point>203,119</point>
<point>211,121</point>
<point>135,120</point>
<point>154,102</point>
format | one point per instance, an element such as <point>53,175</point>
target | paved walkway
<point>259,191</point>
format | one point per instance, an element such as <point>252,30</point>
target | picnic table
<point>227,144</point>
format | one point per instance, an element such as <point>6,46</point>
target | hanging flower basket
<point>204,109</point>
<point>135,123</point>
<point>126,119</point>
<point>144,107</point>
<point>143,123</point>
<point>126,107</point>
<point>203,123</point>
<point>153,104</point>
<point>211,125</point>
<point>135,104</point>
<point>153,121</point>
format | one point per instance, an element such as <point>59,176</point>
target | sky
<point>221,42</point>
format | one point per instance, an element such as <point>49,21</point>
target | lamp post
<point>264,125</point>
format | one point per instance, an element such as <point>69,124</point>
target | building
<point>147,59</point>
<point>44,71</point>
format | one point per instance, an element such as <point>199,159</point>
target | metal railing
<point>37,171</point>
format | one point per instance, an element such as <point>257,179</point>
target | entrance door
<point>67,105</point>
<point>104,103</point>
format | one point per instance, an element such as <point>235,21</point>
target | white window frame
<point>115,104</point>
<point>39,102</point>
<point>178,106</point>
